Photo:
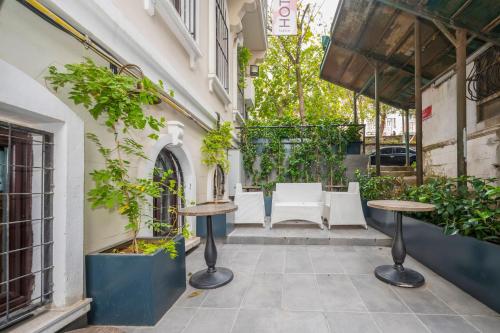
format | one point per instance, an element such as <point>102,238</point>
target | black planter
<point>469,263</point>
<point>354,148</point>
<point>268,204</point>
<point>134,289</point>
<point>222,225</point>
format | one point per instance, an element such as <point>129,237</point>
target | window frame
<point>45,242</point>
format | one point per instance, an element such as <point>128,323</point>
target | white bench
<point>250,207</point>
<point>297,201</point>
<point>344,208</point>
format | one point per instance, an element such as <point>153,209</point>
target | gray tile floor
<point>293,288</point>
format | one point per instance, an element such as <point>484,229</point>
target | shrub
<point>471,210</point>
<point>379,188</point>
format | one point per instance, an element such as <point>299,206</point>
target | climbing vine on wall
<point>283,151</point>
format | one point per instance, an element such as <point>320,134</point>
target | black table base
<point>212,277</point>
<point>396,274</point>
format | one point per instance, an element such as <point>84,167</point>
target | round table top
<point>401,205</point>
<point>208,209</point>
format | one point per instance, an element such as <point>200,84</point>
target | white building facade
<point>190,45</point>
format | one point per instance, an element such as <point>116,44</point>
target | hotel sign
<point>284,17</point>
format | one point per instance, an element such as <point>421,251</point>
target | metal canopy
<point>369,32</point>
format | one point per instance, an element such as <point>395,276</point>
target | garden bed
<point>469,263</point>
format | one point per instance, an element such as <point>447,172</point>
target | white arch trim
<point>173,141</point>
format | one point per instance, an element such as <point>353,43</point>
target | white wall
<point>439,134</point>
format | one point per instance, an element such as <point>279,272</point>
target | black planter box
<point>354,148</point>
<point>222,225</point>
<point>134,289</point>
<point>469,263</point>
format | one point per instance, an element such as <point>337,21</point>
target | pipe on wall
<point>54,19</point>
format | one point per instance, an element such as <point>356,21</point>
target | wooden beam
<point>355,108</point>
<point>376,58</point>
<point>418,99</point>
<point>377,120</point>
<point>407,136</point>
<point>447,33</point>
<point>461,51</point>
<point>422,13</point>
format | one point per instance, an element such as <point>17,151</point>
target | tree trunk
<point>300,92</point>
<point>383,117</point>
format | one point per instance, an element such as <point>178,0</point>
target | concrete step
<point>192,243</point>
<point>395,168</point>
<point>403,173</point>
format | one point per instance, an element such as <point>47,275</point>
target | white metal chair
<point>297,201</point>
<point>250,207</point>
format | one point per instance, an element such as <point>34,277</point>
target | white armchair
<point>344,208</point>
<point>250,207</point>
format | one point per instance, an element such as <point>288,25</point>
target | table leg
<point>396,274</point>
<point>212,277</point>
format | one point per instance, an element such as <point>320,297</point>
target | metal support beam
<point>355,104</point>
<point>461,56</point>
<point>418,99</point>
<point>422,13</point>
<point>407,136</point>
<point>373,57</point>
<point>377,120</point>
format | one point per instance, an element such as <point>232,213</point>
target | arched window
<point>165,207</point>
<point>219,183</point>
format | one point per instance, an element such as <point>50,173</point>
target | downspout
<point>59,22</point>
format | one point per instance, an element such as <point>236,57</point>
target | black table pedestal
<point>212,277</point>
<point>396,274</point>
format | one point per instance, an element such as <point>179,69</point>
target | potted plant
<point>460,240</point>
<point>214,151</point>
<point>136,282</point>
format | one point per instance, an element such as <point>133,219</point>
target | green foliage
<point>244,56</point>
<point>379,188</point>
<point>215,146</point>
<point>291,153</point>
<point>119,101</point>
<point>472,210</point>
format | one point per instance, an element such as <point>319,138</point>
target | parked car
<point>393,156</point>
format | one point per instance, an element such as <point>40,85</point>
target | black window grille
<point>26,184</point>
<point>484,83</point>
<point>222,44</point>
<point>187,12</point>
<point>165,207</point>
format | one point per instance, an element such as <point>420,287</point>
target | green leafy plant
<point>379,188</point>
<point>472,210</point>
<point>215,146</point>
<point>244,56</point>
<point>118,101</point>
<point>280,150</point>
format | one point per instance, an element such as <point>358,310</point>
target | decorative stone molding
<point>215,86</point>
<point>237,11</point>
<point>176,130</point>
<point>173,20</point>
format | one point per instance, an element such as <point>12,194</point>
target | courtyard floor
<point>314,288</point>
